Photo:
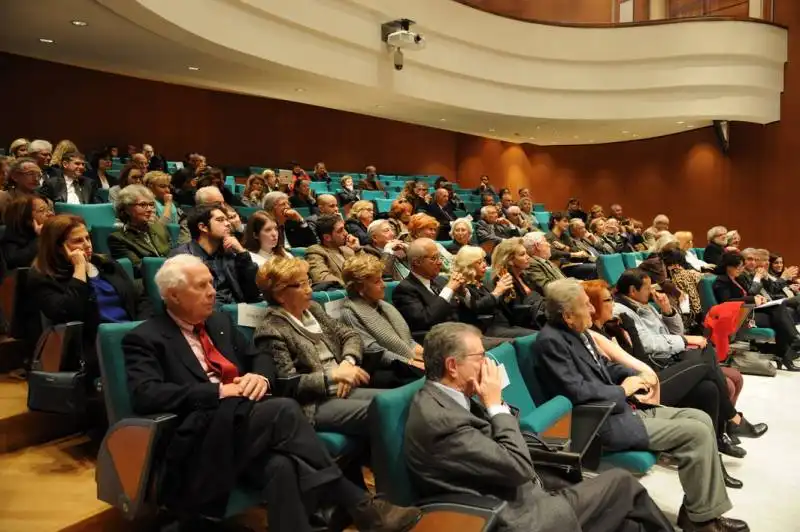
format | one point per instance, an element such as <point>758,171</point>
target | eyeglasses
<point>434,258</point>
<point>145,204</point>
<point>301,284</point>
<point>482,354</point>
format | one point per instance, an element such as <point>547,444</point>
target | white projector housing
<point>405,40</point>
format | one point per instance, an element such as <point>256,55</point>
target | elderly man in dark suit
<point>297,232</point>
<point>440,209</point>
<point>423,298</point>
<point>540,272</point>
<point>571,364</point>
<point>193,362</point>
<point>71,186</point>
<point>453,444</point>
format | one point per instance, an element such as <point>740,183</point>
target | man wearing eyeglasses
<point>455,444</point>
<point>71,186</point>
<point>233,270</point>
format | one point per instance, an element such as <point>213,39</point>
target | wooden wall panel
<point>54,101</point>
<point>572,11</point>
<point>700,8</point>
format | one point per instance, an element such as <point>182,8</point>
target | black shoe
<point>745,429</point>
<point>720,524</point>
<point>730,482</point>
<point>725,446</point>
<point>787,362</point>
<point>377,515</point>
<point>734,438</point>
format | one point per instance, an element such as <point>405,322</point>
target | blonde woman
<point>461,234</point>
<point>362,213</point>
<point>422,225</point>
<point>254,191</point>
<point>686,243</point>
<point>477,304</point>
<point>159,184</point>
<point>18,148</point>
<point>63,147</point>
<point>384,333</point>
<point>523,305</point>
<point>270,181</point>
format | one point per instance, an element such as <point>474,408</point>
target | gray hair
<point>272,198</point>
<point>443,341</point>
<point>376,226</point>
<point>732,234</point>
<point>130,195</point>
<point>204,194</point>
<point>533,240</point>
<point>560,297</point>
<point>485,210</point>
<point>575,223</point>
<point>716,232</point>
<point>661,218</point>
<point>172,273</point>
<point>417,248</point>
<point>665,238</point>
<point>39,145</point>
<point>268,172</point>
<point>514,209</point>
<point>748,252</point>
<point>461,221</point>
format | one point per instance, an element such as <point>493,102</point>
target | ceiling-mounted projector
<point>406,39</point>
<point>398,36</point>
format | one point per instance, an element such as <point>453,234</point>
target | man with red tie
<point>193,362</point>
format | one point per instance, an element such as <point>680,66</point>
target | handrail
<point>699,10</point>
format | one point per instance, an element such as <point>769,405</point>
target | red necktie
<point>221,366</point>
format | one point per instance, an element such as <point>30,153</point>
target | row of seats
<point>610,267</point>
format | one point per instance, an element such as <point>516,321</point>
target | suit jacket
<point>55,189</point>
<point>421,308</point>
<point>132,244</point>
<point>296,354</point>
<point>540,273</point>
<point>566,367</point>
<point>345,196</point>
<point>495,233</point>
<point>726,290</point>
<point>450,449</point>
<point>444,217</point>
<point>713,253</point>
<point>240,271</point>
<point>298,235</point>
<point>366,184</point>
<point>325,265</point>
<point>19,248</point>
<point>357,229</point>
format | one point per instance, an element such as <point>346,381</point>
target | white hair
<point>485,210</point>
<point>664,238</point>
<point>204,194</point>
<point>461,221</point>
<point>145,146</point>
<point>533,240</point>
<point>661,218</point>
<point>514,209</point>
<point>272,198</point>
<point>417,248</point>
<point>172,273</point>
<point>716,231</point>
<point>39,145</point>
<point>376,226</point>
<point>560,297</point>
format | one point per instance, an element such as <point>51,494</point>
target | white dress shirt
<point>446,293</point>
<point>72,194</point>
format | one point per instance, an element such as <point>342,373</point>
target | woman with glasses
<point>24,177</point>
<point>319,357</point>
<point>24,218</point>
<point>101,164</point>
<point>140,236</point>
<point>130,175</point>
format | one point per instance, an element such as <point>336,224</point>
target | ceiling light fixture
<point>442,120</point>
<point>80,23</point>
<point>491,130</point>
<point>194,68</point>
<point>636,135</point>
<point>379,106</point>
<point>299,89</point>
<point>531,138</point>
<point>591,141</point>
<point>689,126</point>
<point>47,41</point>
<point>626,132</point>
<point>576,137</point>
<point>680,123</point>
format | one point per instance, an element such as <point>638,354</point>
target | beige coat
<point>326,264</point>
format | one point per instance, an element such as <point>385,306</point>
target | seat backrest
<point>151,265</point>
<point>610,267</point>
<point>539,207</point>
<point>102,193</point>
<point>246,212</point>
<point>700,252</point>
<point>542,218</point>
<point>174,233</point>
<point>328,296</point>
<point>388,290</point>
<point>706,289</point>
<point>445,243</point>
<point>298,252</point>
<point>525,347</point>
<point>232,309</point>
<point>388,414</point>
<point>384,204</point>
<point>126,265</point>
<point>99,235</point>
<point>319,186</point>
<point>629,259</point>
<point>305,212</point>
<point>516,393</point>
<point>112,369</point>
<point>97,214</point>
<point>373,194</point>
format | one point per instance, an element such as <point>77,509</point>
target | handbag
<point>749,363</point>
<point>59,392</point>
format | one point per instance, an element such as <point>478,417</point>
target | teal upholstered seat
<point>610,267</point>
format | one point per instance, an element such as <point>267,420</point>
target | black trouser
<point>615,501</point>
<point>585,271</point>
<point>288,462</point>
<point>698,382</point>
<point>779,319</point>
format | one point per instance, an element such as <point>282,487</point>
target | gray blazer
<point>452,450</point>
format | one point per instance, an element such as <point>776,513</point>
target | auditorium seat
<point>174,233</point>
<point>630,260</point>
<point>610,268</point>
<point>388,414</point>
<point>539,207</point>
<point>384,204</point>
<point>700,252</point>
<point>707,300</point>
<point>99,234</point>
<point>388,290</point>
<point>543,219</point>
<point>102,193</point>
<point>328,296</point>
<point>298,252</point>
<point>151,265</point>
<point>246,212</point>
<point>305,212</point>
<point>127,265</point>
<point>372,194</point>
<point>319,187</point>
<point>97,214</point>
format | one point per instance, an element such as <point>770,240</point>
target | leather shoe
<point>378,515</point>
<point>730,482</point>
<point>745,429</point>
<point>734,438</point>
<point>727,447</point>
<point>720,524</point>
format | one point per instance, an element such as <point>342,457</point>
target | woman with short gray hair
<point>717,240</point>
<point>140,235</point>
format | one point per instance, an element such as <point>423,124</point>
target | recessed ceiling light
<point>538,127</point>
<point>680,123</point>
<point>689,126</point>
<point>299,89</point>
<point>194,68</point>
<point>442,120</point>
<point>591,141</point>
<point>491,130</point>
<point>576,137</point>
<point>47,41</point>
<point>79,23</point>
<point>626,132</point>
<point>379,106</point>
<point>531,138</point>
<point>636,135</point>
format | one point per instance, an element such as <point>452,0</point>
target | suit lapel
<point>576,346</point>
<point>176,341</point>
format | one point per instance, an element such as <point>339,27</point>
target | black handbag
<point>60,392</point>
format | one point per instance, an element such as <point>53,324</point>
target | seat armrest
<point>57,344</point>
<point>459,511</point>
<point>127,463</point>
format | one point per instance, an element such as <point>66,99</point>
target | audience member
<point>370,182</point>
<point>660,223</point>
<point>347,195</point>
<point>392,252</point>
<point>68,282</point>
<point>224,379</point>
<point>140,235</point>
<point>101,164</point>
<point>303,198</point>
<point>399,215</point>
<point>734,240</point>
<point>423,298</point>
<point>575,263</point>
<point>485,188</point>
<point>541,271</point>
<point>71,186</point>
<point>271,181</point>
<point>155,162</point>
<point>41,151</point>
<point>616,213</point>
<point>213,177</point>
<point>595,212</point>
<point>460,234</point>
<point>422,225</point>
<point>18,148</point>
<point>574,210</point>
<point>590,243</point>
<point>294,230</point>
<point>521,304</point>
<point>717,240</point>
<point>326,204</point>
<point>615,237</point>
<point>23,220</point>
<point>686,243</point>
<point>184,183</point>
<point>324,353</point>
<point>517,224</point>
<point>326,259</point>
<point>506,201</point>
<point>455,445</point>
<point>524,193</point>
<point>56,161</point>
<point>635,236</point>
<point>571,365</point>
<point>439,208</point>
<point>23,180</point>
<point>478,305</point>
<point>526,211</point>
<point>254,191</point>
<point>684,280</point>
<point>166,211</point>
<point>490,230</point>
<point>362,213</point>
<point>384,333</point>
<point>262,238</point>
<point>139,160</point>
<point>320,173</point>
<point>232,268</point>
<point>420,199</point>
<point>5,164</point>
<point>208,195</point>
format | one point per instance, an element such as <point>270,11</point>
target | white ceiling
<point>113,43</point>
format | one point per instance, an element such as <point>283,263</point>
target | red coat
<point>721,320</point>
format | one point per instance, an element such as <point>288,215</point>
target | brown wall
<point>685,176</point>
<point>699,8</point>
<point>54,101</point>
<point>572,11</point>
